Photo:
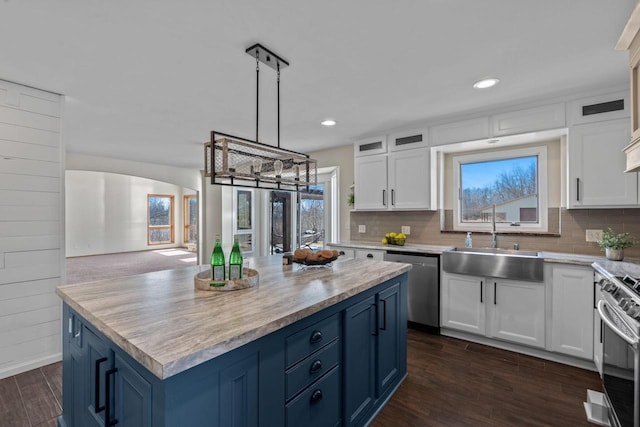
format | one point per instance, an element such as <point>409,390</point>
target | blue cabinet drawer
<point>312,338</point>
<point>311,368</point>
<point>319,405</point>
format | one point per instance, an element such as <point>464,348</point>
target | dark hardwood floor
<point>33,398</point>
<point>450,383</point>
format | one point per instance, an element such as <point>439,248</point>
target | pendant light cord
<point>257,91</point>
<point>278,104</point>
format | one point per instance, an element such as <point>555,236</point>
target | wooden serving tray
<point>203,281</point>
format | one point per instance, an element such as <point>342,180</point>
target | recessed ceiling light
<point>486,83</point>
<point>328,122</point>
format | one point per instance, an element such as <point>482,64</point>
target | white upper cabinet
<point>529,120</point>
<point>461,131</point>
<point>596,166</point>
<point>397,181</point>
<point>408,140</point>
<point>408,179</point>
<point>599,108</point>
<point>370,146</point>
<point>371,182</point>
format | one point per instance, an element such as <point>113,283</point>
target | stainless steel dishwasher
<point>423,290</point>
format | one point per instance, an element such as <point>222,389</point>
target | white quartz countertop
<point>167,325</point>
<point>555,257</point>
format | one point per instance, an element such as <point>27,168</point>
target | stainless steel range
<point>619,310</point>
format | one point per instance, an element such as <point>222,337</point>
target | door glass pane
<point>280,236</point>
<point>312,227</point>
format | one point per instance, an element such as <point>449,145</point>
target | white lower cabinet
<point>509,310</point>
<point>369,254</point>
<point>572,311</point>
<point>462,303</point>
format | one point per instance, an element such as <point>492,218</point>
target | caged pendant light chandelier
<point>235,161</point>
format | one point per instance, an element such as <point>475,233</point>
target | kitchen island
<point>314,346</point>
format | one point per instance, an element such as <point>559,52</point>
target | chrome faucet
<point>494,241</point>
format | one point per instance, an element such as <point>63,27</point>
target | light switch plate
<point>406,230</point>
<point>593,235</point>
<point>362,228</point>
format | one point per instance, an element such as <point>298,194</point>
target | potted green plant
<point>614,244</point>
<point>351,199</point>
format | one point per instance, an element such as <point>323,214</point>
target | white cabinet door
<point>529,120</point>
<point>344,251</point>
<point>371,183</point>
<point>596,166</point>
<point>369,254</point>
<point>572,313</point>
<point>517,311</point>
<point>461,131</point>
<point>463,303</point>
<point>408,183</point>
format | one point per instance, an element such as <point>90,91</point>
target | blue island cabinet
<point>336,367</point>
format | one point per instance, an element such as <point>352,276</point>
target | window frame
<point>486,156</point>
<point>245,231</point>
<point>185,212</point>
<point>171,227</point>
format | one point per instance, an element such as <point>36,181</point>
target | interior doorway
<point>281,224</point>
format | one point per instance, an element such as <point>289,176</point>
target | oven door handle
<point>614,327</point>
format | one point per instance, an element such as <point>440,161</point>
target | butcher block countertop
<point>168,326</point>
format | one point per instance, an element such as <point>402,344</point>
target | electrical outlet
<point>362,228</point>
<point>406,230</point>
<point>593,235</point>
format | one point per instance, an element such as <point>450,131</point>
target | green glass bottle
<point>235,262</point>
<point>217,262</point>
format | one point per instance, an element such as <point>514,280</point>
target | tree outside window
<point>160,222</point>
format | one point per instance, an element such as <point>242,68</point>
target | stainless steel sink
<point>490,262</point>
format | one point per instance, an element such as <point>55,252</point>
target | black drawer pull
<point>369,255</point>
<point>108,422</point>
<point>316,337</point>
<point>316,396</point>
<point>341,252</point>
<point>96,383</point>
<point>315,366</point>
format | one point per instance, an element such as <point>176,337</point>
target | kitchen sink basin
<point>491,262</point>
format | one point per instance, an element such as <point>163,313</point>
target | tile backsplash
<point>568,228</point>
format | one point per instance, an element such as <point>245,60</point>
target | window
<point>311,217</point>
<point>190,218</point>
<point>160,219</point>
<point>243,219</point>
<point>509,184</point>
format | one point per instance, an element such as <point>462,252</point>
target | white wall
<point>343,158</point>
<point>31,228</point>
<point>107,212</point>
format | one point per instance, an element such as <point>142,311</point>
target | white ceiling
<point>147,80</point>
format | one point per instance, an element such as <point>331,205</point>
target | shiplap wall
<point>31,227</point>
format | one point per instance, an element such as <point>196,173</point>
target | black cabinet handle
<point>316,396</point>
<point>495,293</point>
<point>108,422</point>
<point>481,298</point>
<point>96,386</point>
<point>601,330</point>
<point>341,252</point>
<point>315,366</point>
<point>393,197</point>
<point>369,255</point>
<point>578,189</point>
<point>384,315</point>
<point>384,197</point>
<point>316,337</point>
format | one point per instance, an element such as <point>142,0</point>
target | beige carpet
<point>98,267</point>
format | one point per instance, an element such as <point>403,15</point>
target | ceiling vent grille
<point>603,107</point>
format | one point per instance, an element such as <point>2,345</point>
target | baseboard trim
<point>19,368</point>
<point>517,348</point>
